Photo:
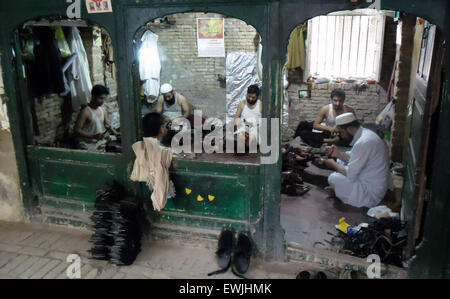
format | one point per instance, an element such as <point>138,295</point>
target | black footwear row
<point>233,253</point>
<point>117,226</point>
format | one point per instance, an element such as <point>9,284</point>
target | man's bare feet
<point>330,193</point>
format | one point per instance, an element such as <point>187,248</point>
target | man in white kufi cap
<point>172,104</point>
<point>361,176</point>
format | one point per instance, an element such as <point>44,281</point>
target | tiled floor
<point>41,251</point>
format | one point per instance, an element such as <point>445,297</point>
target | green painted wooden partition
<point>245,195</point>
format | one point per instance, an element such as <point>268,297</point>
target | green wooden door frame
<point>274,20</point>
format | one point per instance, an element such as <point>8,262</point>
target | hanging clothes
<point>152,166</point>
<point>285,115</point>
<point>259,66</point>
<point>296,49</point>
<point>79,77</point>
<point>108,55</point>
<point>149,64</point>
<point>46,73</point>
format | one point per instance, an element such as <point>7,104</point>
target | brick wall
<point>48,114</point>
<point>197,77</point>
<point>367,102</point>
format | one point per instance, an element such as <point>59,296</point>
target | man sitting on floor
<point>248,116</point>
<point>324,127</point>
<point>361,176</point>
<point>172,104</point>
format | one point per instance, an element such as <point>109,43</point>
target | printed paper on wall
<point>210,37</point>
<point>98,6</point>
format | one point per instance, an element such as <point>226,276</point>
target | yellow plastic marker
<point>342,226</point>
<point>199,198</point>
<point>211,198</point>
<point>188,191</point>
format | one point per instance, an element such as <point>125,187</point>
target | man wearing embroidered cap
<point>361,176</point>
<point>172,104</point>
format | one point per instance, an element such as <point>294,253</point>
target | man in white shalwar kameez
<point>361,176</point>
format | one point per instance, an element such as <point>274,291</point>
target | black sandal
<point>242,254</point>
<point>225,247</point>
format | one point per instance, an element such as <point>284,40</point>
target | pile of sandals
<point>295,161</point>
<point>386,237</point>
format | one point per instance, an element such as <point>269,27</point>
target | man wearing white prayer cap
<point>172,104</point>
<point>361,176</point>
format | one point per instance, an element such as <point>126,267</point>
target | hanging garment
<point>296,49</point>
<point>259,66</point>
<point>79,77</point>
<point>152,166</point>
<point>285,114</point>
<point>368,175</point>
<point>149,64</point>
<point>108,55</point>
<point>46,74</point>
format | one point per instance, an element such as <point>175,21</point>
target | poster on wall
<point>210,37</point>
<point>98,6</point>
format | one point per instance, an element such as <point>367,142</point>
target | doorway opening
<point>367,64</point>
<point>63,60</point>
<point>204,62</point>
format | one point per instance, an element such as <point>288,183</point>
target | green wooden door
<point>426,94</point>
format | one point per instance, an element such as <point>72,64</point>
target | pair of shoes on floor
<point>308,275</point>
<point>235,255</point>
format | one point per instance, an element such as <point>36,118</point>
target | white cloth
<point>330,120</point>
<point>367,178</point>
<point>79,78</point>
<point>95,126</point>
<point>252,119</point>
<point>152,166</point>
<point>149,63</point>
<point>259,66</point>
<point>285,114</point>
<point>252,115</point>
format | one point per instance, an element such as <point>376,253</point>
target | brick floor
<point>40,251</point>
